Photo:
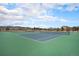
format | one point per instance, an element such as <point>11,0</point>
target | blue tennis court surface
<point>42,36</point>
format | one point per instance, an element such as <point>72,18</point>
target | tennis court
<point>42,36</point>
<point>14,44</point>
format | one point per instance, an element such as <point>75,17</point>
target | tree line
<point>19,28</point>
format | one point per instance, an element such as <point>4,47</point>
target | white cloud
<point>52,18</point>
<point>34,12</point>
<point>10,14</point>
<point>16,11</point>
<point>62,6</point>
<point>72,7</point>
<point>63,20</point>
<point>47,18</point>
<point>69,7</point>
<point>10,17</point>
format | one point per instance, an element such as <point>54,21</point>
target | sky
<point>44,15</point>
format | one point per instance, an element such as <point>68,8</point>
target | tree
<point>74,28</point>
<point>7,28</point>
<point>62,29</point>
<point>58,29</point>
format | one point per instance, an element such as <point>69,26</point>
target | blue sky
<point>39,14</point>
